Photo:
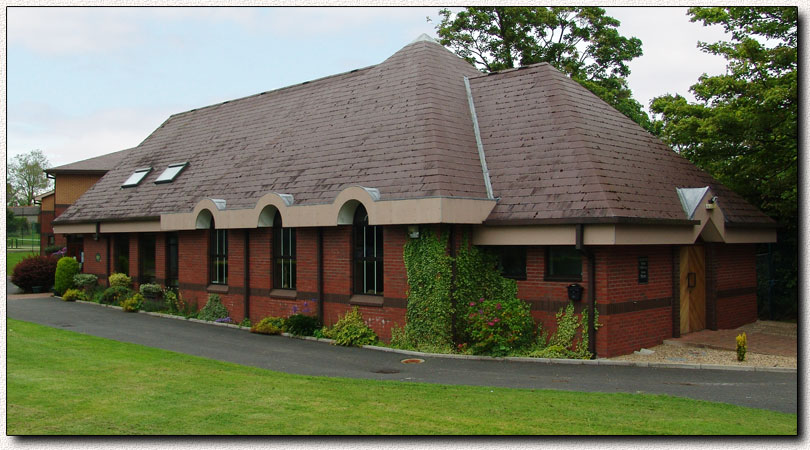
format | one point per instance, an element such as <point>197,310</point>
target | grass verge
<point>61,382</point>
<point>12,258</point>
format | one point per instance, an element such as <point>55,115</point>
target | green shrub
<point>175,304</point>
<point>114,295</point>
<point>72,295</point>
<point>133,303</point>
<point>268,325</point>
<point>66,268</point>
<point>301,325</point>
<point>34,271</point>
<point>498,327</point>
<point>96,293</point>
<point>742,346</point>
<point>51,249</point>
<point>245,323</point>
<point>151,290</point>
<point>429,316</point>
<point>120,279</point>
<point>213,309</point>
<point>350,330</point>
<point>85,281</point>
<point>570,340</point>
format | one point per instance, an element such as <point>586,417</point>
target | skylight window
<point>171,173</point>
<point>136,177</point>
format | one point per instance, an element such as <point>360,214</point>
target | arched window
<point>368,255</point>
<point>219,255</point>
<point>283,255</point>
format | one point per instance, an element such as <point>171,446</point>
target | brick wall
<point>91,248</point>
<point>736,284</point>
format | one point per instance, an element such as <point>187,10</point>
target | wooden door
<point>693,288</point>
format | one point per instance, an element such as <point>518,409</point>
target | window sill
<point>565,279</point>
<point>218,288</point>
<point>284,293</point>
<point>366,300</point>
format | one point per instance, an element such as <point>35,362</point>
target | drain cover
<point>412,361</point>
<point>386,371</point>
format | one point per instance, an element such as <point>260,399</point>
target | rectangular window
<point>368,260</point>
<point>511,260</point>
<point>283,258</point>
<point>121,254</point>
<point>172,261</point>
<point>171,173</point>
<point>219,256</point>
<point>146,258</point>
<point>563,264</point>
<point>136,177</point>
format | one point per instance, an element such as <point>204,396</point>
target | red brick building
<point>302,199</point>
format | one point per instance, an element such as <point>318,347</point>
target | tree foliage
<point>26,178</point>
<point>743,128</point>
<point>582,42</point>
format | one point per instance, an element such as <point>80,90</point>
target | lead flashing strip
<point>478,142</point>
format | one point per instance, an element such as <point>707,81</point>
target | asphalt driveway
<point>766,390</point>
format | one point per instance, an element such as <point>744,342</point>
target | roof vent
<point>690,199</point>
<point>171,172</point>
<point>136,177</point>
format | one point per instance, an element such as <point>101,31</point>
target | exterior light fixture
<point>413,231</point>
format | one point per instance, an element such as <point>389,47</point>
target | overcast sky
<point>83,82</point>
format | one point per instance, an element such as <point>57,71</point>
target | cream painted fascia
<point>380,212</point>
<point>750,235</point>
<point>150,226</point>
<point>74,228</point>
<point>594,234</point>
<point>712,226</point>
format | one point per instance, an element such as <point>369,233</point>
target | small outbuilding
<point>303,197</point>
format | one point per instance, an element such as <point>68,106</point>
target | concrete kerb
<point>587,362</point>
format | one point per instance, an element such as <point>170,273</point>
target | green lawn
<point>61,382</point>
<point>12,258</point>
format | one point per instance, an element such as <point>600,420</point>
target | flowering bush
<point>34,271</point>
<point>60,253</point>
<point>224,320</point>
<point>497,327</point>
<point>742,346</point>
<point>151,290</point>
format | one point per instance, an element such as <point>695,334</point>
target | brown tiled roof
<point>555,151</point>
<point>99,164</point>
<point>402,126</point>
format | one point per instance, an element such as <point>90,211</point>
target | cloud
<point>65,139</point>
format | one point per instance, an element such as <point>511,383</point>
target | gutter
<point>580,245</point>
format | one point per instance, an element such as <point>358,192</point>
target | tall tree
<point>582,42</point>
<point>27,177</point>
<point>743,128</point>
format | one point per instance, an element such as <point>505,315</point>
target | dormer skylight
<point>171,173</point>
<point>136,177</point>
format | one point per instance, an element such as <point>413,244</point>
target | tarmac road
<point>765,390</point>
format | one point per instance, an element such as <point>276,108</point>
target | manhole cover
<point>386,371</point>
<point>412,361</point>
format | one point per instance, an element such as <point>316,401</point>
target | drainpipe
<point>320,274</point>
<point>580,245</point>
<point>247,273</point>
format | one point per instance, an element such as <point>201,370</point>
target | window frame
<point>548,276</point>
<point>172,273</point>
<point>500,251</point>
<point>132,181</point>
<point>143,243</point>
<point>218,256</point>
<point>177,169</point>
<point>285,255</point>
<point>359,230</point>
